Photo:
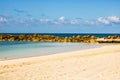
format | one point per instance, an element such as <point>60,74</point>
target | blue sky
<point>60,16</point>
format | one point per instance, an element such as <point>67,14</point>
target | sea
<point>13,50</point>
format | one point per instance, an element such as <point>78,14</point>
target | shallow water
<point>11,50</point>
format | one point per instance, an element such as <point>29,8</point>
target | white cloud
<point>6,16</point>
<point>74,22</point>
<point>113,19</point>
<point>44,21</point>
<point>89,23</point>
<point>109,20</point>
<point>103,20</point>
<point>2,19</point>
<point>62,18</point>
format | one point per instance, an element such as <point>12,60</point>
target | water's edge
<point>12,50</point>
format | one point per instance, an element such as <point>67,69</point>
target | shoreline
<point>31,51</point>
<point>97,63</point>
<point>63,53</point>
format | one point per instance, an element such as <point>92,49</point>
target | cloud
<point>62,18</point>
<point>98,22</point>
<point>45,21</point>
<point>23,13</point>
<point>114,19</point>
<point>109,20</point>
<point>2,20</point>
<point>103,20</point>
<point>5,15</point>
<point>19,11</point>
<point>74,22</point>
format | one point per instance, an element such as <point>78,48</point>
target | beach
<point>102,63</point>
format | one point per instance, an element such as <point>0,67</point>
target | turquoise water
<point>10,50</point>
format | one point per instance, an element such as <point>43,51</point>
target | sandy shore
<point>93,64</point>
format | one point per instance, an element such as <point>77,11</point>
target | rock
<point>11,39</point>
<point>1,37</point>
<point>21,37</point>
<point>35,39</point>
<point>51,38</point>
<point>92,40</point>
<point>78,36</point>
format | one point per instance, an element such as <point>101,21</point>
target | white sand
<point>93,64</point>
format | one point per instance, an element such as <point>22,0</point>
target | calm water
<point>10,50</point>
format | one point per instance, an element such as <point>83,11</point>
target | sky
<point>59,16</point>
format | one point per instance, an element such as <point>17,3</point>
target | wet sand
<point>92,64</point>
